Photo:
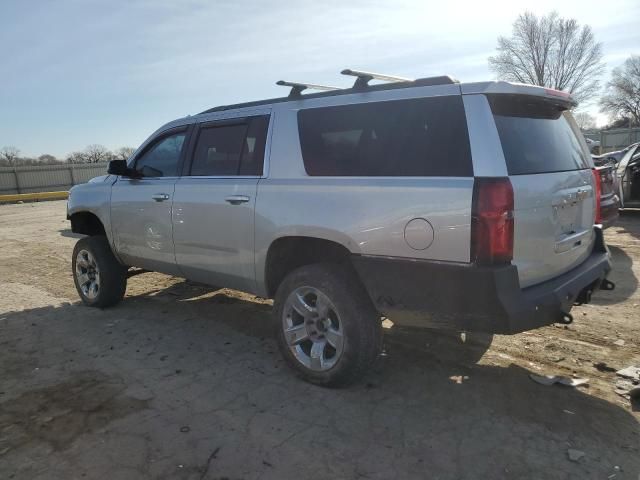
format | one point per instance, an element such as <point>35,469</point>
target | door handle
<point>160,197</point>
<point>236,199</point>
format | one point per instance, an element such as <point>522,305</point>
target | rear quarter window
<point>416,137</point>
<point>537,136</point>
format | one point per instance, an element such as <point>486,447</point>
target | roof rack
<point>363,78</point>
<point>297,88</point>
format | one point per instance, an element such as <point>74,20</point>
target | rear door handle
<point>160,197</point>
<point>236,199</point>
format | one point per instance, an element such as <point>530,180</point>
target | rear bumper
<point>471,298</point>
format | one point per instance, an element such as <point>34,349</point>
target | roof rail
<point>363,78</point>
<point>297,88</point>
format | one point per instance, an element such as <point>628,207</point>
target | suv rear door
<point>214,202</point>
<point>549,166</point>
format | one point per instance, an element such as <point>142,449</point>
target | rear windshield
<point>537,136</point>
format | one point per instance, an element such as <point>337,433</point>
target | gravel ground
<point>181,381</point>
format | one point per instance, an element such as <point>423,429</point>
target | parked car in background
<point>628,175</point>
<point>593,145</point>
<point>608,206</point>
<point>612,157</point>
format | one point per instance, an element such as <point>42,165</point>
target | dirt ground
<point>180,381</point>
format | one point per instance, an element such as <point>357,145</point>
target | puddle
<point>58,414</point>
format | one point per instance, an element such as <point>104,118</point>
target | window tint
<point>218,150</point>
<point>229,150</point>
<point>253,152</point>
<point>417,137</point>
<point>161,160</point>
<point>537,136</point>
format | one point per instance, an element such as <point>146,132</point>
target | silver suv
<point>464,206</point>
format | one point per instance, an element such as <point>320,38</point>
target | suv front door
<point>214,202</point>
<point>141,207</point>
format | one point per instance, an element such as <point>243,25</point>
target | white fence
<point>47,178</point>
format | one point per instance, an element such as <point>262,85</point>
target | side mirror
<point>119,167</point>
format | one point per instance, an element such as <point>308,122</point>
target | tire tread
<point>346,291</point>
<point>113,275</point>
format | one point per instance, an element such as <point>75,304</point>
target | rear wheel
<point>100,279</point>
<point>328,330</point>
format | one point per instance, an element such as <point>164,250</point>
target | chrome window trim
<point>214,177</point>
<point>142,179</point>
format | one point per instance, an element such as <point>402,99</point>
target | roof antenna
<point>297,88</point>
<point>363,78</point>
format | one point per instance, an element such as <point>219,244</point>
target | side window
<point>230,150</point>
<point>416,137</point>
<point>161,160</point>
<point>253,151</point>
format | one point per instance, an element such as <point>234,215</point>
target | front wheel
<point>100,279</point>
<point>328,330</point>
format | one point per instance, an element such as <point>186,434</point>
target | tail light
<point>597,194</point>
<point>492,221</point>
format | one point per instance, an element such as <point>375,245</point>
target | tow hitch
<point>607,285</point>
<point>585,295</point>
<point>566,318</point>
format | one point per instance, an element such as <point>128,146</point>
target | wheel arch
<point>87,223</point>
<point>287,253</point>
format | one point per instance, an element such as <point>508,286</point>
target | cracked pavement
<point>183,381</point>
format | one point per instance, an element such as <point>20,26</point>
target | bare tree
<point>96,153</point>
<point>77,157</point>
<point>585,121</point>
<point>9,154</point>
<point>48,159</point>
<point>622,97</point>
<point>617,123</point>
<point>123,153</point>
<point>27,161</point>
<point>550,51</point>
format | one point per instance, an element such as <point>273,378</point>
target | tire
<point>93,260</point>
<point>338,335</point>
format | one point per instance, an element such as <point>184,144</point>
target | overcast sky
<point>76,72</point>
